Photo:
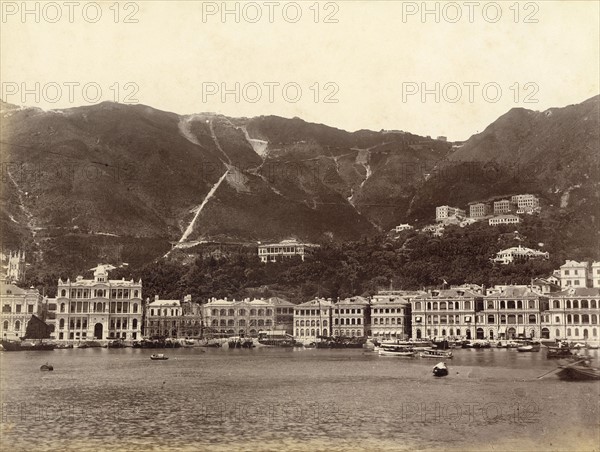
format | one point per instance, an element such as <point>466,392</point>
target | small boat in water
<point>529,346</point>
<point>396,350</point>
<point>578,372</point>
<point>158,357</point>
<point>440,370</point>
<point>46,367</point>
<point>435,353</point>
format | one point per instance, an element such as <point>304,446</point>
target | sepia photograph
<point>303,225</point>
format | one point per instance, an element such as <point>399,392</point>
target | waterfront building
<point>18,305</point>
<point>595,274</point>
<point>390,317</point>
<point>479,210</point>
<point>351,317</point>
<point>504,219</point>
<point>312,319</point>
<point>573,273</point>
<point>510,312</point>
<point>403,227</point>
<point>98,308</point>
<point>444,213</point>
<point>162,318</point>
<point>444,313</point>
<point>246,317</point>
<point>573,315</point>
<point>287,248</point>
<point>518,253</point>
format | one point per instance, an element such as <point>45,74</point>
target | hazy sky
<point>295,59</point>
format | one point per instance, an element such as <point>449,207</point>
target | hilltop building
<point>444,213</point>
<point>503,206</point>
<point>504,219</point>
<point>518,253</point>
<point>403,227</point>
<point>526,203</point>
<point>287,248</point>
<point>573,273</point>
<point>479,210</point>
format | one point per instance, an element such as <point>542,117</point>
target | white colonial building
<point>573,273</point>
<point>504,219</point>
<point>518,253</point>
<point>18,305</point>
<point>445,213</point>
<point>98,308</point>
<point>271,252</point>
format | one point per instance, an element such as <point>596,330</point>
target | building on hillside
<point>444,213</point>
<point>504,219</point>
<point>573,315</point>
<point>595,274</point>
<point>390,317</point>
<point>573,273</point>
<point>351,318</point>
<point>403,227</point>
<point>479,210</point>
<point>526,203</point>
<point>13,266</point>
<point>503,206</point>
<point>312,319</point>
<point>467,222</point>
<point>545,285</point>
<point>18,305</point>
<point>518,253</point>
<point>436,230</point>
<point>271,252</point>
<point>98,308</point>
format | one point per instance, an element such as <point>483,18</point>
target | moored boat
<point>159,357</point>
<point>46,367</point>
<point>396,350</point>
<point>435,353</point>
<point>529,346</point>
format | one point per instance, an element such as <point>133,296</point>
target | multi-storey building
<point>573,273</point>
<point>245,317</point>
<point>513,311</point>
<point>312,319</point>
<point>518,253</point>
<point>504,219</point>
<point>595,274</point>
<point>287,248</point>
<point>526,203</point>
<point>479,210</point>
<point>18,305</point>
<point>98,308</point>
<point>444,313</point>
<point>351,317</point>
<point>444,213</point>
<point>390,317</point>
<point>503,206</point>
<point>163,318</point>
<point>572,314</point>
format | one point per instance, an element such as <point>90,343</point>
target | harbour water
<point>291,399</point>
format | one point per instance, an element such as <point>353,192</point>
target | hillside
<point>124,182</point>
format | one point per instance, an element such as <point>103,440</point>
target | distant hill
<point>125,180</point>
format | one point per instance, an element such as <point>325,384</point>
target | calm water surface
<point>291,399</point>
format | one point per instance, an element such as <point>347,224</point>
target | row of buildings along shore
<point>564,306</point>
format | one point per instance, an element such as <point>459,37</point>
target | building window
<point>5,325</point>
